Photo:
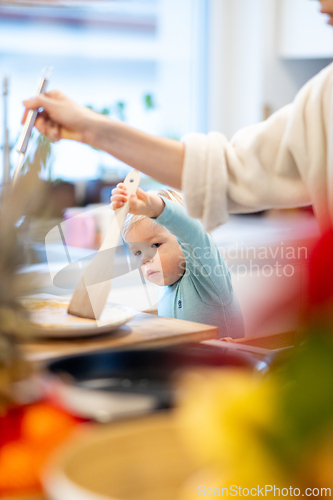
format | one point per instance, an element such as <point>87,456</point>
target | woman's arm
<point>285,161</point>
<point>158,157</point>
<point>62,118</point>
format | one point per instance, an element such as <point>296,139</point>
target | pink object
<point>79,228</point>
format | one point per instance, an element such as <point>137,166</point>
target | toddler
<point>175,253</point>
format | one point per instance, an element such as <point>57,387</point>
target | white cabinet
<point>303,32</point>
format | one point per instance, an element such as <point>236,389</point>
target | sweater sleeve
<point>186,229</point>
<point>203,260</point>
<point>285,161</point>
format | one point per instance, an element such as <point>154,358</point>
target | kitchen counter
<point>144,330</point>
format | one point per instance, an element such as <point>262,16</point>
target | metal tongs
<point>29,123</point>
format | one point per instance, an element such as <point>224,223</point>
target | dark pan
<point>145,375</point>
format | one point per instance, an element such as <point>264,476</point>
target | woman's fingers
<point>40,101</point>
<point>47,101</point>
<point>40,124</point>
<point>47,127</point>
<point>63,118</point>
<point>44,124</point>
<point>54,132</point>
<point>55,94</point>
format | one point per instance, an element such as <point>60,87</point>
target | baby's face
<point>161,258</point>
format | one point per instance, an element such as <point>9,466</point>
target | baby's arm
<point>187,230</point>
<point>202,256</point>
<point>141,203</point>
<point>167,213</point>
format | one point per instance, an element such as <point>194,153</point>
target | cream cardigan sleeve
<point>285,161</point>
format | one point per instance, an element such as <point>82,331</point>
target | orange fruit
<point>46,425</point>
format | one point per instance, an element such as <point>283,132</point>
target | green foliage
<point>15,202</point>
<point>304,420</point>
<point>41,158</point>
<point>105,111</point>
<point>148,101</point>
<point>117,109</point>
<point>120,110</point>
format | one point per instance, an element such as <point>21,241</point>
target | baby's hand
<point>141,203</point>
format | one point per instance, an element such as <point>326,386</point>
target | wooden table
<point>145,330</point>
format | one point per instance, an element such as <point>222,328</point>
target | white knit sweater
<point>285,161</point>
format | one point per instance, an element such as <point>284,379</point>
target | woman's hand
<point>141,203</point>
<point>61,117</point>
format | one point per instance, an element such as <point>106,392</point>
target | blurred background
<point>167,67</point>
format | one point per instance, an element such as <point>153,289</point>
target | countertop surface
<point>144,329</point>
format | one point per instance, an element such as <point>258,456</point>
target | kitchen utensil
<point>6,146</point>
<point>29,123</point>
<point>90,296</point>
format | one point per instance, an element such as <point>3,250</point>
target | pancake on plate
<point>50,316</point>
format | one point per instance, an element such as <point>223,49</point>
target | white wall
<point>182,76</point>
<point>283,77</point>
<point>245,72</point>
<point>212,66</point>
<point>235,64</point>
<point>100,66</point>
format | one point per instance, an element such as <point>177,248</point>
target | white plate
<point>51,319</point>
